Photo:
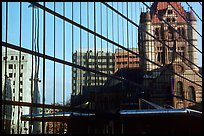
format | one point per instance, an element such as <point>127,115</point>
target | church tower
<point>183,41</point>
<point>167,38</point>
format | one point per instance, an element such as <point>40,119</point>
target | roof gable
<point>160,8</point>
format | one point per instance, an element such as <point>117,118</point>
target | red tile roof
<point>161,7</point>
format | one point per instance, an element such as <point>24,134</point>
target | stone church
<point>172,76</point>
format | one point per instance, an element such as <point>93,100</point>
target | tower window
<point>191,93</point>
<point>168,19</point>
<point>183,31</point>
<point>180,31</point>
<point>11,57</point>
<point>179,89</point>
<point>159,56</point>
<point>157,33</point>
<point>170,11</point>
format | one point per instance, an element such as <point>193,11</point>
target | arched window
<point>157,33</point>
<point>179,32</point>
<point>179,89</point>
<point>191,93</point>
<point>183,32</point>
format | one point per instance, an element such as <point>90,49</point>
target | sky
<point>110,31</point>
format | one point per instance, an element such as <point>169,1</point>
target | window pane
<point>179,89</point>
<point>191,93</point>
<point>10,66</point>
<point>10,75</point>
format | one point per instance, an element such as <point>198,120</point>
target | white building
<point>6,109</point>
<point>20,85</point>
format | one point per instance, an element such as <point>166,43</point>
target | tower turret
<point>148,43</point>
<point>193,39</point>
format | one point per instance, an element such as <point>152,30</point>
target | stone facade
<point>157,50</point>
<point>171,51</point>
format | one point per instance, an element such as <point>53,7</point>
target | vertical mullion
<point>81,76</point>
<point>73,43</point>
<point>63,64</point>
<point>31,110</point>
<point>95,42</point>
<point>118,24</point>
<point>107,41</point>
<point>88,41</point>
<point>113,41</point>
<point>123,39</point>
<point>5,66</point>
<point>54,91</point>
<point>118,41</point>
<point>101,42</point>
<point>127,38</point>
<point>136,32</point>
<point>43,120</point>
<point>19,71</point>
<point>132,30</point>
<point>128,61</point>
<point>133,58</point>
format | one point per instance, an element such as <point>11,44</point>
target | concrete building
<point>124,59</point>
<point>19,72</point>
<point>6,109</point>
<point>100,61</point>
<point>158,80</point>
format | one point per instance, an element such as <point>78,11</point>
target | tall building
<point>159,82</point>
<point>6,109</point>
<point>101,61</point>
<point>124,59</point>
<point>19,72</point>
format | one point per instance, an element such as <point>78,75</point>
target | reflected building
<point>156,51</point>
<point>19,72</point>
<point>159,81</point>
<point>101,61</point>
<point>125,59</point>
<point>6,109</point>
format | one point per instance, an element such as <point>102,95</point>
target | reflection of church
<point>161,83</point>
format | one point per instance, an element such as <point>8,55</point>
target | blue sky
<point>119,36</point>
